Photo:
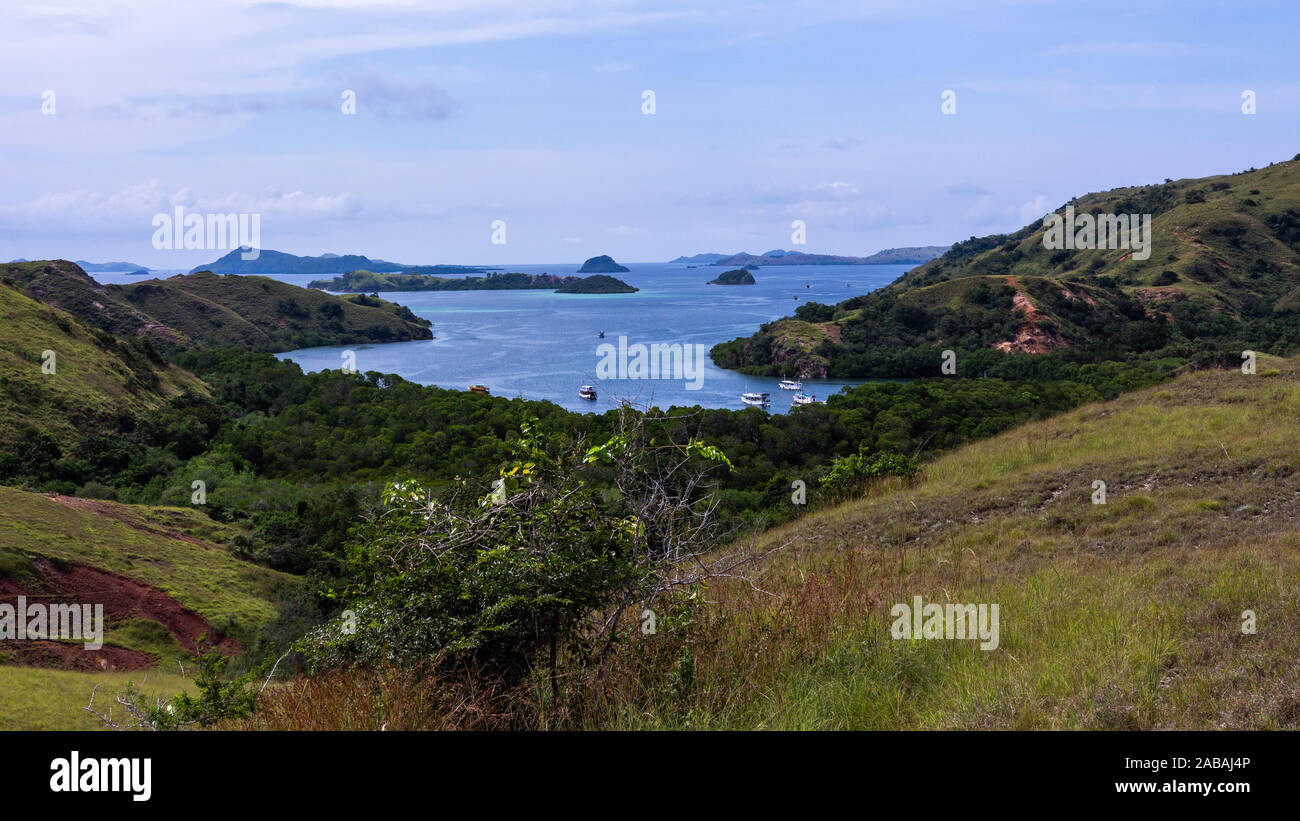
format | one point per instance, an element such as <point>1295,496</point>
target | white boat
<point>802,398</point>
<point>791,385</point>
<point>757,399</point>
<point>587,392</point>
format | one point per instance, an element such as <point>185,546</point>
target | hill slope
<point>163,575</point>
<point>203,309</point>
<point>96,377</point>
<point>1223,275</point>
<point>1122,615</point>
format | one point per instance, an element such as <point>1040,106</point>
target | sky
<point>533,113</point>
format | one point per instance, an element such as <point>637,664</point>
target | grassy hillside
<point>205,310</point>
<point>162,574</point>
<point>1120,615</point>
<point>96,377</point>
<point>178,551</point>
<point>1223,275</point>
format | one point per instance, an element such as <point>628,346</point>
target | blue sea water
<point>543,345</point>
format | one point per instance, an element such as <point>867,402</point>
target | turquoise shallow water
<point>543,345</point>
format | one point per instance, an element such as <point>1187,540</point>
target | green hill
<point>205,310</point>
<point>597,284</point>
<point>164,576</point>
<point>739,276</point>
<point>1222,276</point>
<point>96,378</point>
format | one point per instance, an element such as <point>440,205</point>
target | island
<point>914,255</point>
<point>278,262</point>
<point>739,276</point>
<point>370,282</point>
<point>597,284</point>
<point>603,264</point>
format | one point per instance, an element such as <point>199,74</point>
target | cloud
<point>966,189</point>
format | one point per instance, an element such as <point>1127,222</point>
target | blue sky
<point>531,112</point>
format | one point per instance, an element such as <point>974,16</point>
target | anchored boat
<point>483,389</point>
<point>587,392</point>
<point>791,385</point>
<point>802,398</point>
<point>756,399</point>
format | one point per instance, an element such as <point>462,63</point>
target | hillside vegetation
<point>1223,275</point>
<point>96,378</point>
<point>207,310</point>
<point>1125,614</point>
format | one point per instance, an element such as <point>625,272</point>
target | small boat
<point>791,385</point>
<point>602,334</point>
<point>587,392</point>
<point>756,399</point>
<point>483,389</point>
<point>802,398</point>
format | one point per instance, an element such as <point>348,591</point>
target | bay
<point>543,345</point>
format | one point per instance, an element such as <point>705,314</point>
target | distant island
<point>597,284</point>
<point>915,255</point>
<point>102,267</point>
<point>278,262</point>
<point>374,282</point>
<point>707,259</point>
<point>602,264</point>
<point>737,277</point>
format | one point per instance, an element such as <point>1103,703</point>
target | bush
<point>542,565</point>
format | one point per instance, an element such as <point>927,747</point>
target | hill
<point>96,378</point>
<point>203,310</point>
<point>279,262</point>
<point>737,277</point>
<point>96,267</point>
<point>700,258</point>
<point>1116,616</point>
<point>1221,275</point>
<point>912,255</point>
<point>602,264</point>
<point>597,284</point>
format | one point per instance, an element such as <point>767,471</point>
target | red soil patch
<point>123,598</point>
<point>1029,338</point>
<point>61,655</point>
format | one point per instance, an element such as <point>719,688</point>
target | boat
<point>791,385</point>
<point>587,392</point>
<point>483,389</point>
<point>802,398</point>
<point>602,334</point>
<point>756,399</point>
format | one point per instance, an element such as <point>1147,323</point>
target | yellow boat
<point>483,389</point>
